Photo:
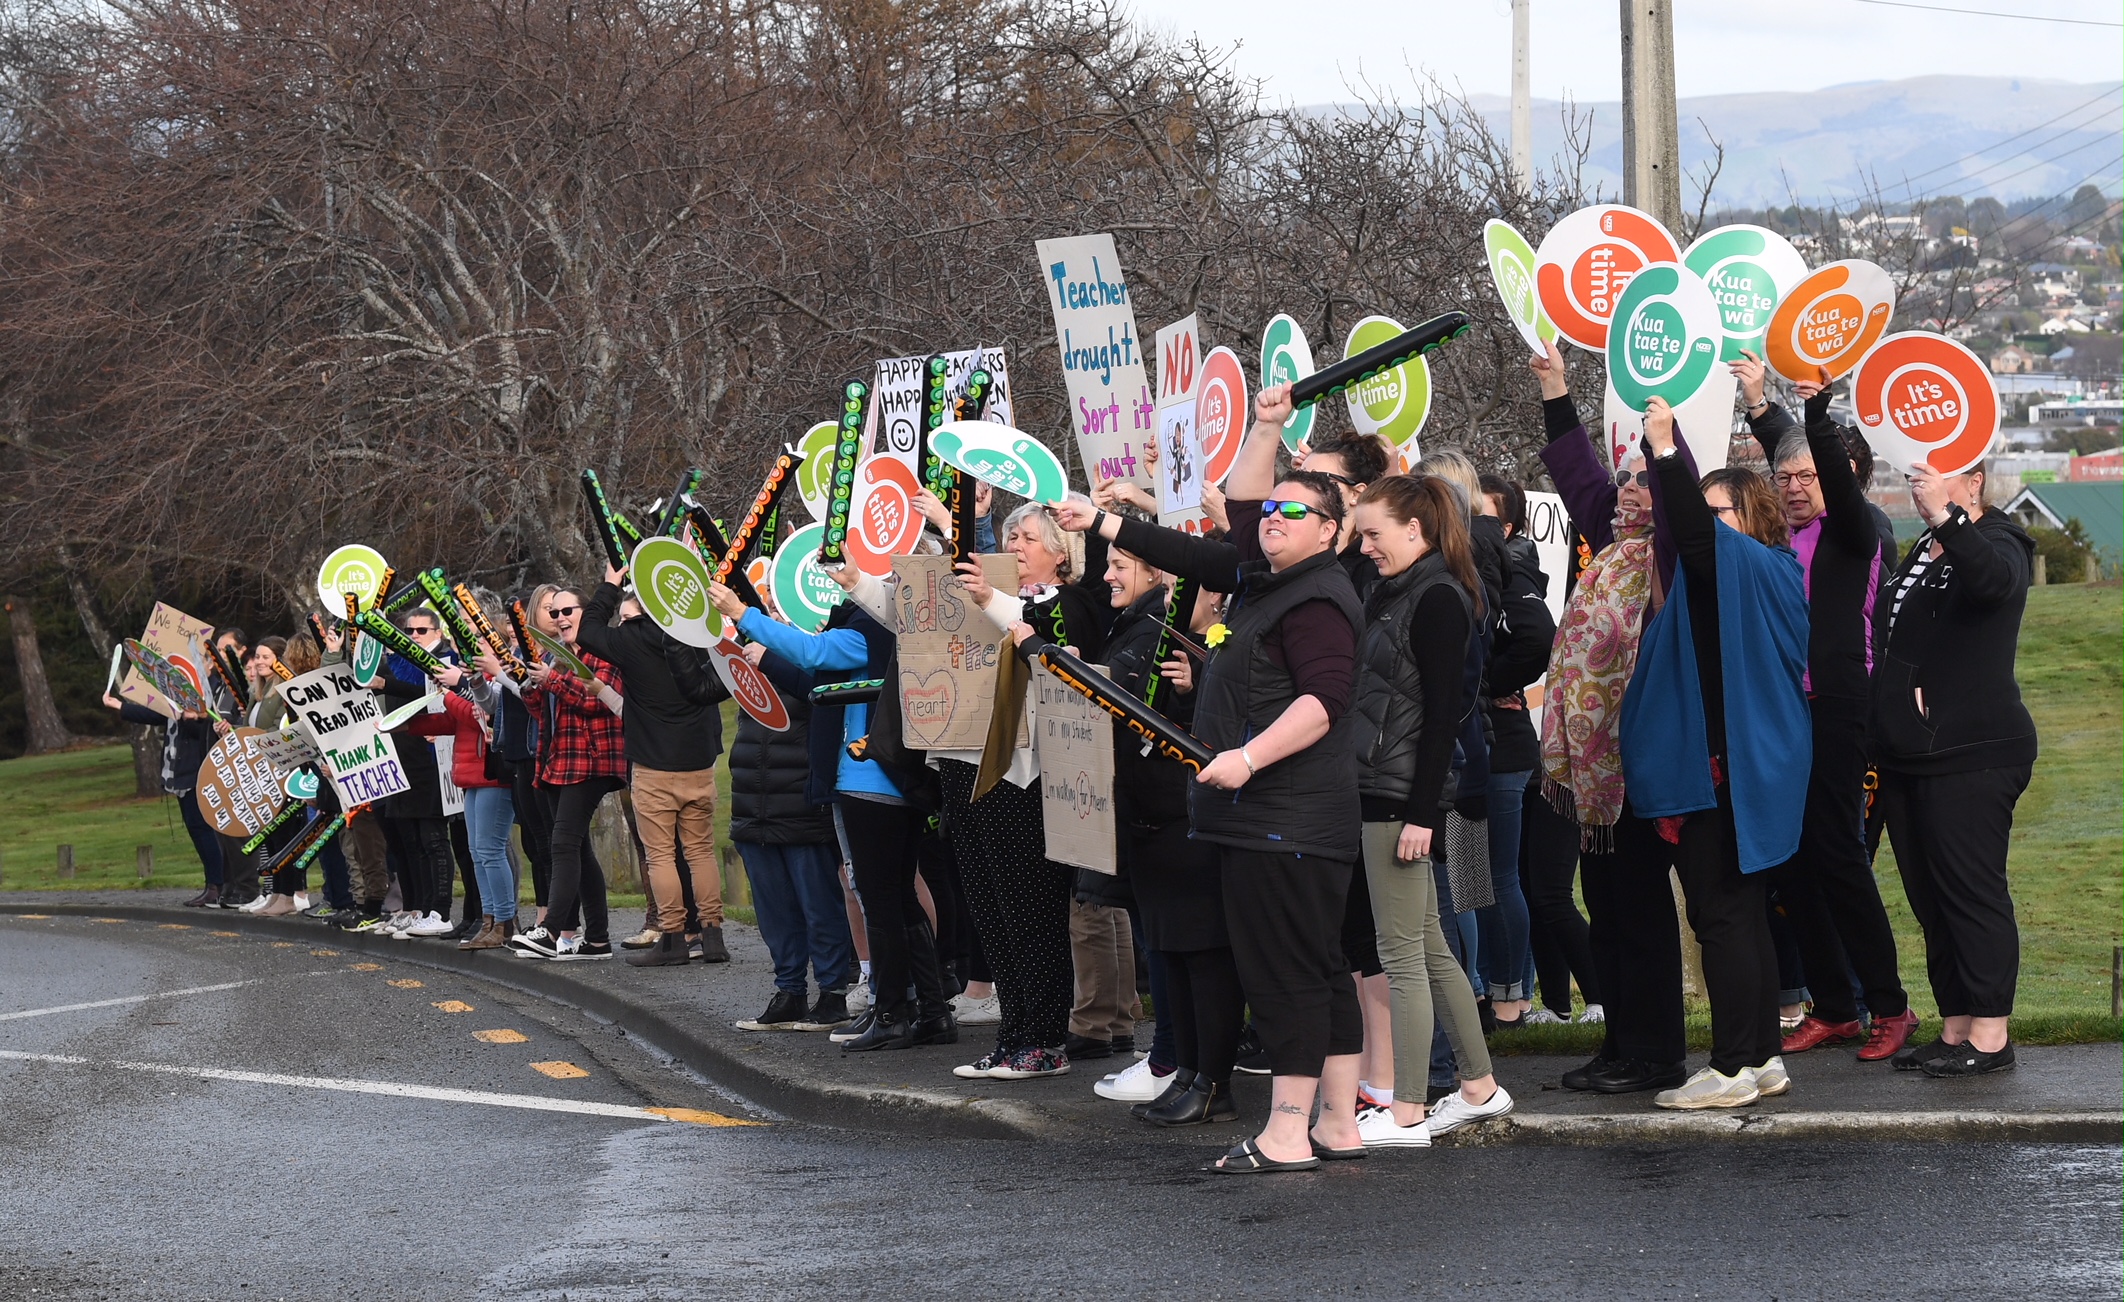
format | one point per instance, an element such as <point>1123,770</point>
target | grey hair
<point>1459,472</point>
<point>1793,446</point>
<point>1050,533</point>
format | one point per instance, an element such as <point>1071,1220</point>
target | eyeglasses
<point>1290,510</point>
<point>1343,480</point>
<point>1643,478</point>
<point>565,610</point>
<point>1787,478</point>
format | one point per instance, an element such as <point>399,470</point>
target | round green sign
<point>1001,457</point>
<point>1286,356</point>
<point>1394,403</point>
<point>352,568</point>
<point>672,585</point>
<point>814,474</point>
<point>368,659</point>
<point>1512,268</point>
<point>1664,337</point>
<point>1748,270</point>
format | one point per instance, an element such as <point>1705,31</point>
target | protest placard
<point>1286,356</point>
<point>1512,271</point>
<point>1586,261</point>
<point>340,716</point>
<point>1110,401</point>
<point>1922,398</point>
<point>1830,320</point>
<point>1749,270</point>
<point>178,638</point>
<point>1179,450</point>
<point>1075,741</point>
<point>948,653</point>
<point>1394,403</point>
<point>238,790</point>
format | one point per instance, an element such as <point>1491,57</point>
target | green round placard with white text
<point>1394,403</point>
<point>672,585</point>
<point>353,568</point>
<point>1749,270</point>
<point>803,592</point>
<point>1512,269</point>
<point>1286,356</point>
<point>1664,337</point>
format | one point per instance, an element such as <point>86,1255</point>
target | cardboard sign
<point>1586,261</point>
<point>883,521</point>
<point>1664,339</point>
<point>1075,741</point>
<point>804,593</point>
<point>1221,412</point>
<point>1749,270</point>
<point>453,796</point>
<point>672,585</point>
<point>896,410</point>
<point>339,717</point>
<point>1110,402</point>
<point>1923,398</point>
<point>1549,528</point>
<point>238,790</point>
<point>1394,403</point>
<point>948,653</point>
<point>814,475</point>
<point>1001,457</point>
<point>352,568</point>
<point>286,749</point>
<point>177,638</point>
<point>1180,460</point>
<point>170,682</point>
<point>1512,271</point>
<point>1286,356</point>
<point>1829,320</point>
<point>963,364</point>
<point>748,686</point>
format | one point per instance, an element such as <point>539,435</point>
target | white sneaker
<point>1133,1084</point>
<point>398,922</point>
<point>859,998</point>
<point>1543,1017</point>
<point>1452,1112</point>
<point>1770,1079</point>
<point>1709,1089</point>
<point>434,924</point>
<point>1594,1013</point>
<point>257,905</point>
<point>986,1011</point>
<point>1378,1129</point>
<point>302,900</point>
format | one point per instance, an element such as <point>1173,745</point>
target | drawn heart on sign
<point>929,702</point>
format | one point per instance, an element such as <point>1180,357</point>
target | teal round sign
<point>805,594</point>
<point>1663,339</point>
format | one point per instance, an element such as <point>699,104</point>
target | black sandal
<point>1326,1154</point>
<point>1248,1159</point>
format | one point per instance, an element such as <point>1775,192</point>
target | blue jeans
<point>338,886</point>
<point>1504,924</point>
<point>796,895</point>
<point>489,814</point>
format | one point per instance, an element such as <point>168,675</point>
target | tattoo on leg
<point>1291,1108</point>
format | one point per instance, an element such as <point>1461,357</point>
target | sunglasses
<point>1290,510</point>
<point>1643,478</point>
<point>420,630</point>
<point>566,610</point>
<point>1343,480</point>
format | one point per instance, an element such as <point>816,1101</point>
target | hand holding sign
<point>1830,319</point>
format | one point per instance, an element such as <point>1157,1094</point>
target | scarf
<point>1589,668</point>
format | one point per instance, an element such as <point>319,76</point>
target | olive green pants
<point>1423,981</point>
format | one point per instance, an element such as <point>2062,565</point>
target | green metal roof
<point>2098,507</point>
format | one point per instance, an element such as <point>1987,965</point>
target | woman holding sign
<point>1956,748</point>
<point>1280,799</point>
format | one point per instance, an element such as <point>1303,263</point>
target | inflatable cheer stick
<point>521,625</point>
<point>1384,357</point>
<point>438,593</point>
<point>936,409</point>
<point>239,682</point>
<point>712,536</point>
<point>1165,736</point>
<point>1180,603</point>
<point>173,683</point>
<point>848,444</point>
<point>608,534</point>
<point>753,528</point>
<point>395,641</point>
<point>489,635</point>
<point>861,691</point>
<point>282,819</point>
<point>667,521</point>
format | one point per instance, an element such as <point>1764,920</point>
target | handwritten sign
<point>1179,449</point>
<point>340,717</point>
<point>179,639</point>
<point>948,653</point>
<point>238,790</point>
<point>1075,741</point>
<point>1111,407</point>
<point>896,409</point>
<point>989,359</point>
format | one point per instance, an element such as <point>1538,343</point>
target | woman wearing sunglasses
<point>1280,799</point>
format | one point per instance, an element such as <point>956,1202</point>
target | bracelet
<point>1248,760</point>
<point>1098,521</point>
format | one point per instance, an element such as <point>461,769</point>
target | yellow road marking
<point>173,926</point>
<point>112,920</point>
<point>228,933</point>
<point>283,944</point>
<point>404,983</point>
<point>501,1035</point>
<point>560,1071</point>
<point>365,967</point>
<point>39,917</point>
<point>454,1006</point>
<point>324,953</point>
<point>695,1116</point>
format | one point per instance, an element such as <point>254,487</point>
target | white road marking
<point>136,999</point>
<point>395,1089</point>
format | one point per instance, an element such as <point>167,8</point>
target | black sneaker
<point>1968,1060</point>
<point>829,1012</point>
<point>785,1012</point>
<point>1253,1059</point>
<point>854,1030</point>
<point>1083,1046</point>
<point>1581,1078</point>
<point>1914,1057</point>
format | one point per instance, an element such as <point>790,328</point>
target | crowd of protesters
<point>1376,871</point>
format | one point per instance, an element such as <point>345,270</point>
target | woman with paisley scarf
<point>1623,864</point>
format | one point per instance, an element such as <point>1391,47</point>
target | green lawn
<point>2065,868</point>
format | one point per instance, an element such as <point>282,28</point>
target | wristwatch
<point>1673,451</point>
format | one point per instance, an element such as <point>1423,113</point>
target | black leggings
<point>1727,913</point>
<point>425,868</point>
<point>1636,942</point>
<point>958,945</point>
<point>1950,833</point>
<point>578,878</point>
<point>881,844</point>
<point>1285,915</point>
<point>1202,990</point>
<point>1548,863</point>
<point>535,817</point>
<point>1019,899</point>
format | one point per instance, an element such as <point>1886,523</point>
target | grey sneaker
<point>1709,1089</point>
<point>1771,1080</point>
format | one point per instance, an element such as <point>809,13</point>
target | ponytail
<point>1434,504</point>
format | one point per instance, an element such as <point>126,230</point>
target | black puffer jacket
<point>1519,654</point>
<point>768,771</point>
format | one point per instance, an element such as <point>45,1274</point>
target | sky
<point>1721,46</point>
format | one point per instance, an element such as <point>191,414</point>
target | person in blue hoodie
<point>1716,742</point>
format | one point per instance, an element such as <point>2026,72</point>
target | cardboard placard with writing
<point>1075,740</point>
<point>948,653</point>
<point>178,638</point>
<point>340,718</point>
<point>1110,400</point>
<point>238,790</point>
<point>1180,468</point>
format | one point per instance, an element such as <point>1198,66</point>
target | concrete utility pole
<point>1651,134</point>
<point>1522,99</point>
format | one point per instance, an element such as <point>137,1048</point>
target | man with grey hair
<point>1827,888</point>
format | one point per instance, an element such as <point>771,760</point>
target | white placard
<point>339,716</point>
<point>1110,403</point>
<point>1179,449</point>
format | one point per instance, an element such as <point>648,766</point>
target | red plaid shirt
<point>579,738</point>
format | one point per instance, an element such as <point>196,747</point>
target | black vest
<point>1387,703</point>
<point>1306,804</point>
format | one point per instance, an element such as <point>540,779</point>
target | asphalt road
<point>129,1170</point>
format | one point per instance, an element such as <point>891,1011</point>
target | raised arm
<point>1767,421</point>
<point>1690,520</point>
<point>1213,564</point>
<point>1253,473</point>
<point>1848,525</point>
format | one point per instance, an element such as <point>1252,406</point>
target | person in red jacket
<point>490,808</point>
<point>582,759</point>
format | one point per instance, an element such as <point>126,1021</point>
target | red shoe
<point>1888,1036</point>
<point>1813,1032</point>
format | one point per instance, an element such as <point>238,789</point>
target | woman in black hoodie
<point>1955,748</point>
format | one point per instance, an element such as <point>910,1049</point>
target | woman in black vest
<point>1280,799</point>
<point>1410,704</point>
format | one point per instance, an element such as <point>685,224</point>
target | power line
<point>2017,135</point>
<point>1997,181</point>
<point>1991,13</point>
